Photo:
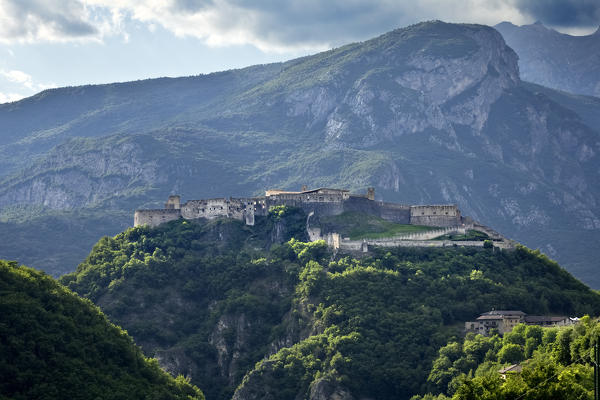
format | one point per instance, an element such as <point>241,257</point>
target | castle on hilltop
<point>321,201</point>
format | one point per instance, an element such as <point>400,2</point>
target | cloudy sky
<point>50,43</point>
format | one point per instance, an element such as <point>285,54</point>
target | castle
<point>321,201</point>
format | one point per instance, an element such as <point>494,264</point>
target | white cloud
<point>10,97</point>
<point>271,25</point>
<point>30,21</point>
<point>24,80</point>
<point>300,25</point>
<point>19,77</point>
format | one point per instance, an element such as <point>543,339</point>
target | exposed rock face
<point>556,60</point>
<point>433,87</point>
<point>229,338</point>
<point>72,176</point>
<point>324,389</point>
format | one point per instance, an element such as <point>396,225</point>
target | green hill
<point>293,321</point>
<point>55,345</point>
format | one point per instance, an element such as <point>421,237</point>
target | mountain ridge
<point>556,60</point>
<point>431,113</point>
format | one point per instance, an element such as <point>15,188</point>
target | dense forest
<point>55,345</point>
<point>254,312</point>
<point>557,363</point>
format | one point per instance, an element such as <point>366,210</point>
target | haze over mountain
<point>554,59</point>
<point>431,113</point>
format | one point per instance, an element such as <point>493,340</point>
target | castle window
<point>446,212</point>
<point>423,213</point>
<point>434,213</point>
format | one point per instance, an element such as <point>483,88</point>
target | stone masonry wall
<point>155,217</point>
<point>442,215</point>
<point>322,202</point>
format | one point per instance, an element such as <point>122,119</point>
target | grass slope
<point>357,225</point>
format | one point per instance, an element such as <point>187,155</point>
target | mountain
<point>56,345</point>
<point>431,113</point>
<point>554,59</point>
<point>248,314</point>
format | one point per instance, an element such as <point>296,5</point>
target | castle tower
<point>173,203</point>
<point>371,193</point>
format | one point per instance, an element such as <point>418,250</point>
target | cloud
<point>562,13</point>
<point>45,20</point>
<point>10,97</point>
<point>284,25</point>
<point>24,80</point>
<point>271,25</point>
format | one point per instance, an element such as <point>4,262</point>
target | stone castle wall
<point>440,215</point>
<point>321,202</point>
<point>155,217</point>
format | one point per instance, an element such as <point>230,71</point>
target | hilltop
<point>57,345</point>
<point>433,113</point>
<point>254,312</point>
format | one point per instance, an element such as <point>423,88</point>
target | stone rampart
<point>435,215</point>
<point>155,217</point>
<point>362,245</point>
<point>330,206</point>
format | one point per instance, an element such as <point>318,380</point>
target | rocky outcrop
<point>79,174</point>
<point>324,389</point>
<point>427,88</point>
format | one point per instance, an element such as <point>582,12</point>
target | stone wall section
<point>435,215</point>
<point>155,217</point>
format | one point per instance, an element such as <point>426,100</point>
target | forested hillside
<point>55,345</point>
<point>557,363</point>
<point>295,321</point>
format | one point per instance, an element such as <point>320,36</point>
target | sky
<point>54,43</point>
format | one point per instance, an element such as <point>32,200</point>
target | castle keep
<point>322,201</point>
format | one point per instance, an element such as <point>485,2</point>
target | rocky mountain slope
<point>431,113</point>
<point>246,316</point>
<point>554,59</point>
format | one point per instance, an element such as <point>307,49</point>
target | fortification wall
<point>209,208</point>
<point>398,213</point>
<point>442,215</point>
<point>155,217</point>
<point>329,207</point>
<point>362,245</point>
